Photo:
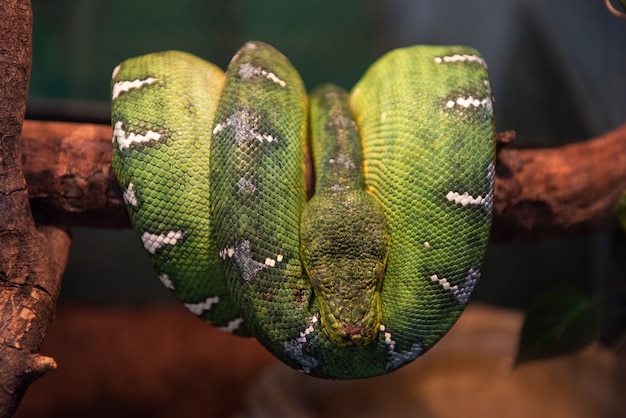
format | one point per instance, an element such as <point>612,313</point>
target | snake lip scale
<point>378,264</point>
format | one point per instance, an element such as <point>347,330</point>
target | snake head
<point>344,247</point>
<point>350,307</point>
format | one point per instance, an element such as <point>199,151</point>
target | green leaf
<point>560,321</point>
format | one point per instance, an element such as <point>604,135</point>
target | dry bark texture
<point>70,180</point>
<point>31,260</point>
<point>557,192</point>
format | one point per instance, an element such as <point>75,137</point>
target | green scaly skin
<point>344,243</point>
<point>176,101</point>
<point>218,197</point>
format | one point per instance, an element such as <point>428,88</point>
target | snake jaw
<point>350,305</point>
<point>358,331</point>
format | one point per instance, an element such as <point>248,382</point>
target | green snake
<point>370,272</point>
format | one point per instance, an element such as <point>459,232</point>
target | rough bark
<point>557,192</point>
<point>31,260</point>
<point>539,193</point>
<point>68,170</point>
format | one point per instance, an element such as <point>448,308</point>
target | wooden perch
<point>68,170</point>
<point>539,193</point>
<point>31,260</point>
<point>562,191</point>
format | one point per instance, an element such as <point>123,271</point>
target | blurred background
<point>558,72</point>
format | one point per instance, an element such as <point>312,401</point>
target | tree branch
<point>68,170</point>
<point>539,193</point>
<point>31,260</point>
<point>557,192</point>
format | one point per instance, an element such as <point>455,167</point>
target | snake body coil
<point>379,264</point>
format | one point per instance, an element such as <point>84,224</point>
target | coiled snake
<point>377,266</point>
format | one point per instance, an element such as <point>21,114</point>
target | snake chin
<point>344,332</point>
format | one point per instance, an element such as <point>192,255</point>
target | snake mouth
<point>351,334</point>
<point>356,334</point>
<point>356,331</point>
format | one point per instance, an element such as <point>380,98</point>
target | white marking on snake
<point>116,71</point>
<point>491,177</point>
<point>243,257</point>
<point>124,86</point>
<point>244,48</point>
<point>124,141</point>
<point>232,326</point>
<point>426,244</point>
<point>467,287</point>
<point>470,101</point>
<point>461,58</point>
<point>220,126</point>
<point>129,195</point>
<point>462,291</point>
<point>341,122</point>
<point>343,160</point>
<point>443,282</point>
<point>248,71</point>
<point>153,242</point>
<point>227,252</point>
<point>245,124</point>
<point>167,282</point>
<point>397,359</point>
<point>487,84</point>
<point>464,199</point>
<point>308,329</point>
<point>271,262</point>
<point>198,308</point>
<point>338,188</point>
<point>295,348</point>
<point>391,343</point>
<point>244,185</point>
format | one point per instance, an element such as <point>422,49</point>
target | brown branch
<point>539,192</point>
<point>613,10</point>
<point>31,260</point>
<point>563,191</point>
<point>68,170</point>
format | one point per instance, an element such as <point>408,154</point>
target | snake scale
<point>371,271</point>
